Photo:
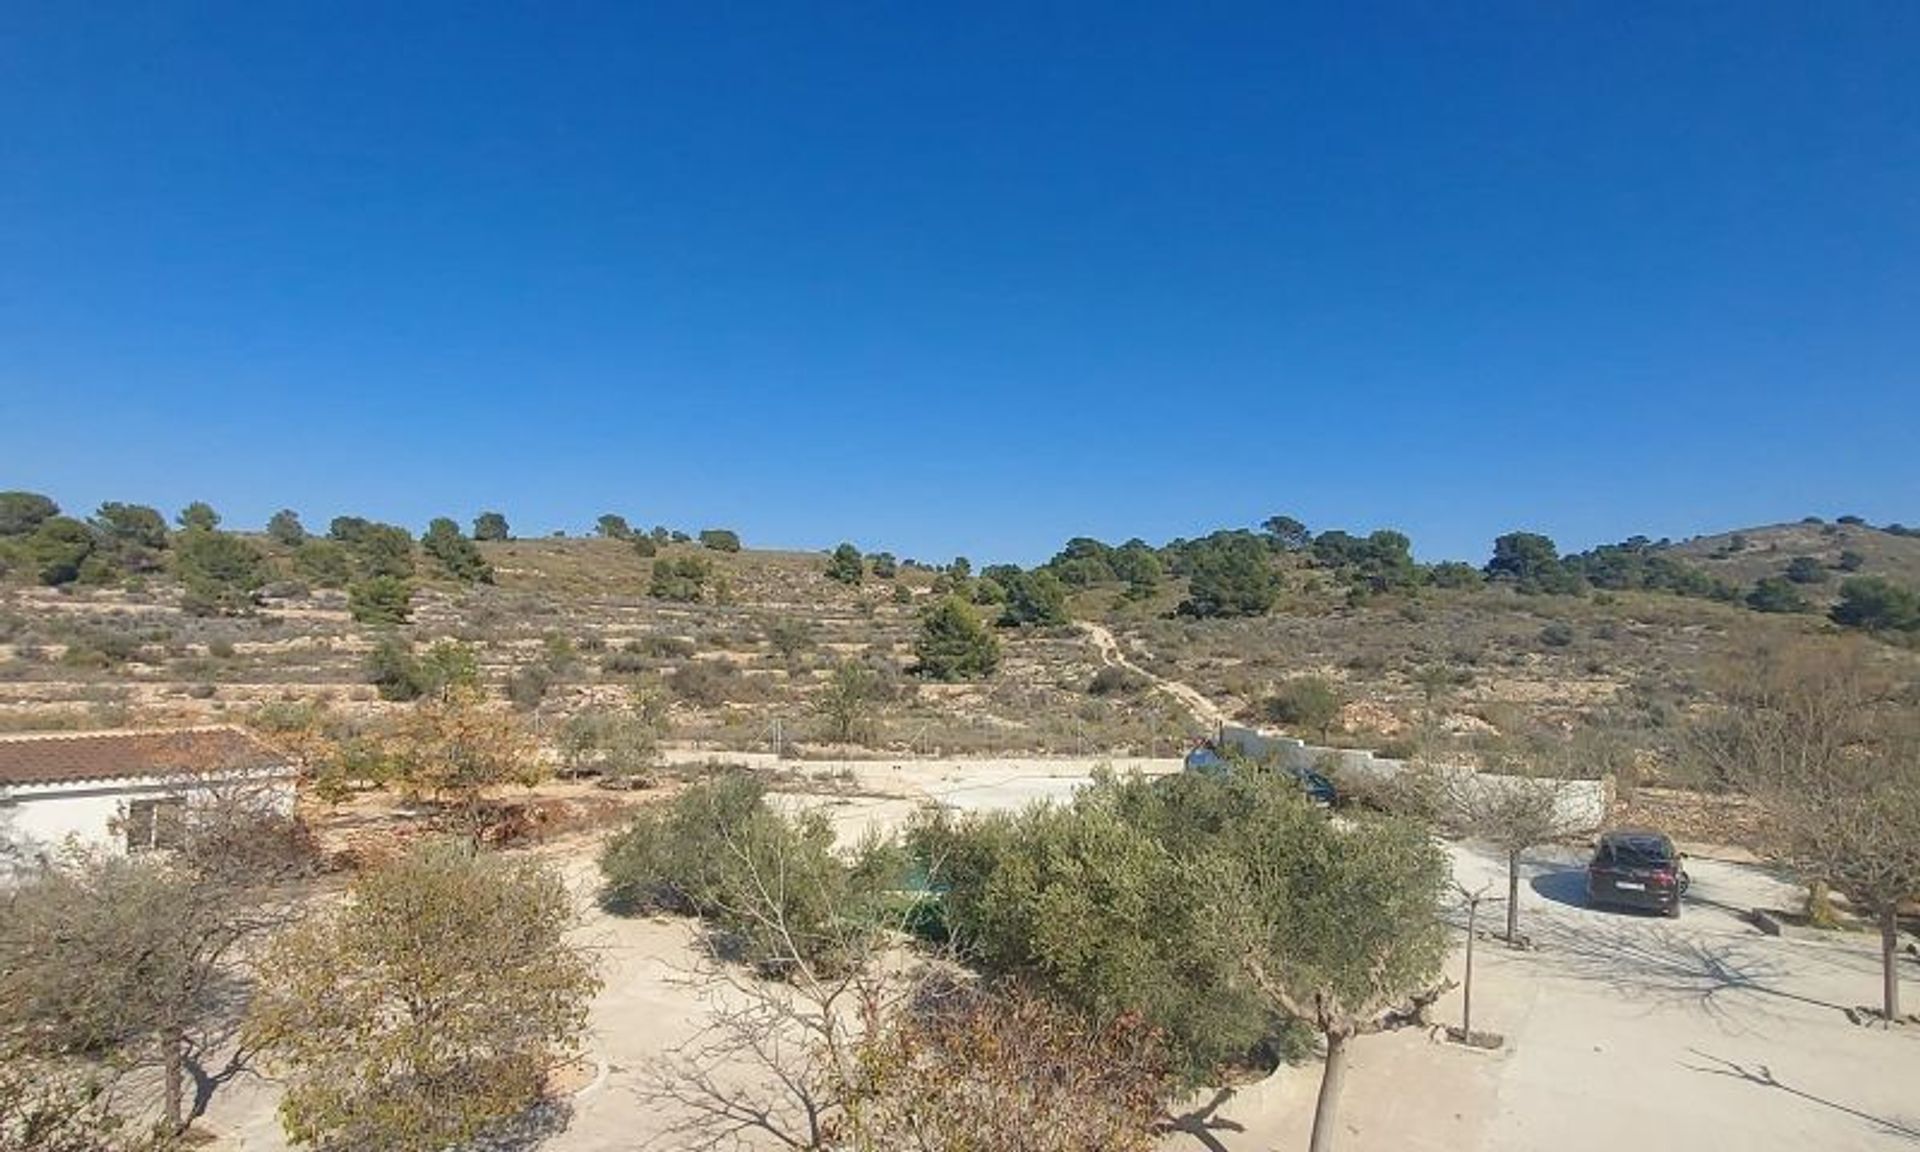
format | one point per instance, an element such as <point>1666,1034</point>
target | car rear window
<point>1642,852</point>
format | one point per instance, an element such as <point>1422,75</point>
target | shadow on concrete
<point>1565,886</point>
<point>528,1130</point>
<point>1658,962</point>
<point>1201,1123</point>
<point>1760,1075</point>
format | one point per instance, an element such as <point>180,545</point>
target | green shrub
<point>682,578</point>
<point>1558,634</point>
<point>527,685</point>
<point>1877,604</point>
<point>1806,570</point>
<point>380,600</point>
<point>721,853</point>
<point>1116,680</point>
<point>720,539</point>
<point>459,557</point>
<point>323,563</point>
<point>1096,903</point>
<point>1776,594</point>
<point>845,565</point>
<point>954,644</point>
<point>1307,702</point>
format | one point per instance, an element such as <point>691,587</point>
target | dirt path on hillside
<point>1209,714</point>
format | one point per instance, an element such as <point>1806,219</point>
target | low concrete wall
<point>1583,804</point>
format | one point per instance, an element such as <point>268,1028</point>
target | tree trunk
<point>1327,1108</point>
<point>1466,994</point>
<point>174,1066</point>
<point>1513,899</point>
<point>1890,960</point>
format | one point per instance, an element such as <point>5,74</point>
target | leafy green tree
<point>380,600</point>
<point>58,548</point>
<point>846,565</point>
<point>1531,563</point>
<point>1080,901</point>
<point>323,562</point>
<point>22,512</point>
<point>1776,594</point>
<point>1806,570</point>
<point>614,527</point>
<point>1083,562</point>
<point>1337,927</point>
<point>428,1007</point>
<point>1877,604</point>
<point>219,570</point>
<point>1136,563</point>
<point>133,535</point>
<point>682,578</point>
<point>456,554</point>
<point>1034,598</point>
<point>349,530</point>
<point>284,527</point>
<point>1453,574</point>
<point>198,514</point>
<point>885,567</point>
<point>1287,534</point>
<point>379,549</point>
<point>720,539</point>
<point>953,644</point>
<point>1313,703</point>
<point>491,526</point>
<point>1233,577</point>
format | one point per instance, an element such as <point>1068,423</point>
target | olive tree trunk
<point>1327,1107</point>
<point>1513,898</point>
<point>1890,961</point>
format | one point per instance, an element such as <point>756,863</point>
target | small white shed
<point>124,789</point>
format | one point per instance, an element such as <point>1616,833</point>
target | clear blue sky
<point>969,278</point>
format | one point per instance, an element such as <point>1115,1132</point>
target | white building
<point>122,790</point>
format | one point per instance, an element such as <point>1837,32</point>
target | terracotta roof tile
<point>51,758</point>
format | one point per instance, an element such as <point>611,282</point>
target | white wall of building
<point>41,819</point>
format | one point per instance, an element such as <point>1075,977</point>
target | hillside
<point>1746,556</point>
<point>1465,667</point>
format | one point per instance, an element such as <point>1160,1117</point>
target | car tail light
<point>1663,877</point>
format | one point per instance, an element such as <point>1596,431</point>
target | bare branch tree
<point>141,960</point>
<point>1828,742</point>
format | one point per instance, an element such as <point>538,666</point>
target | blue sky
<point>968,278</point>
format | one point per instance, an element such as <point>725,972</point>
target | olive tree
<point>846,704</point>
<point>1338,927</point>
<point>428,1008</point>
<point>137,957</point>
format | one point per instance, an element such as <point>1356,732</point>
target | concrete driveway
<point>1623,1030</point>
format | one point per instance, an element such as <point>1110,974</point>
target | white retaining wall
<point>1583,804</point>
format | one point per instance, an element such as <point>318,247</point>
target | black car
<point>1636,868</point>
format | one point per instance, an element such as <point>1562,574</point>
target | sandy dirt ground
<point>1622,1031</point>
